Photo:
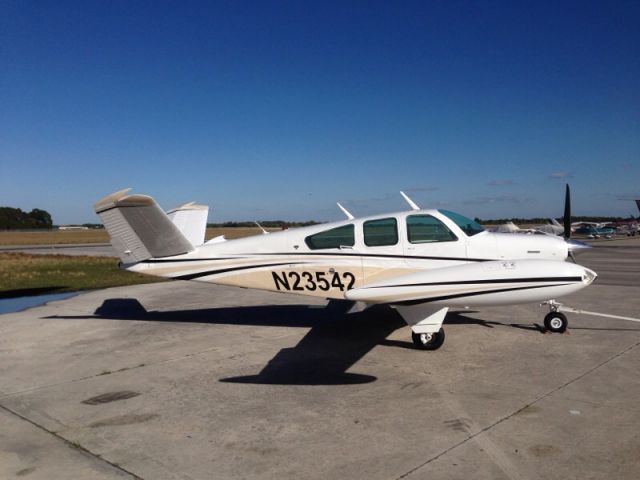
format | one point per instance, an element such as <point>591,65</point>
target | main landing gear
<point>426,325</point>
<point>555,321</point>
<point>428,341</point>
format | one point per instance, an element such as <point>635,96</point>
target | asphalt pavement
<point>182,380</point>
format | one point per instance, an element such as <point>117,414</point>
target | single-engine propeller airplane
<point>421,262</point>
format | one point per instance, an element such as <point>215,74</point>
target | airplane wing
<point>477,284</point>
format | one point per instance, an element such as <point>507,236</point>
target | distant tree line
<point>14,218</point>
<point>545,220</point>
<point>264,223</point>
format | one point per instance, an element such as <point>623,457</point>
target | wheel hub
<point>426,337</point>
<point>556,322</point>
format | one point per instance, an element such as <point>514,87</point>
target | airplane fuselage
<point>384,248</point>
<point>420,262</point>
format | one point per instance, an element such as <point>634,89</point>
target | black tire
<point>556,322</point>
<point>423,342</point>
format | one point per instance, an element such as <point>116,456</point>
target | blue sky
<point>279,109</point>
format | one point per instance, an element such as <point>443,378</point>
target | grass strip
<point>25,274</point>
<point>65,237</point>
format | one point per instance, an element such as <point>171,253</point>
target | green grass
<point>62,237</point>
<point>24,274</point>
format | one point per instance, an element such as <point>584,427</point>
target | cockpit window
<point>428,229</point>
<point>334,238</point>
<point>467,225</point>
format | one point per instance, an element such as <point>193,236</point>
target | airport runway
<point>187,381</point>
<point>91,249</point>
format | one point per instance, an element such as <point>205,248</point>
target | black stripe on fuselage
<point>380,255</point>
<point>488,281</point>
<point>175,260</point>
<point>192,276</point>
<point>336,254</point>
<point>472,294</point>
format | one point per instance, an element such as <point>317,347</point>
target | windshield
<point>467,225</point>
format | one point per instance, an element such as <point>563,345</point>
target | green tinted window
<point>427,229</point>
<point>334,238</point>
<point>467,225</point>
<point>378,233</point>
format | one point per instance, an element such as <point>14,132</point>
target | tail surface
<point>191,220</point>
<point>139,228</point>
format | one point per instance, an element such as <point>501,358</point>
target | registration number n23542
<point>312,281</point>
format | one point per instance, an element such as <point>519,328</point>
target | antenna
<point>410,202</point>
<point>345,211</point>
<point>264,232</point>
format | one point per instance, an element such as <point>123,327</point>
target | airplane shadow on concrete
<point>335,341</point>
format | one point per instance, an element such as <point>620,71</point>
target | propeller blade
<point>567,213</point>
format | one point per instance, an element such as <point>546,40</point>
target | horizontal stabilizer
<point>191,220</point>
<point>138,227</point>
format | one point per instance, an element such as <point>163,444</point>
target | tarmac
<point>182,380</point>
<point>91,249</point>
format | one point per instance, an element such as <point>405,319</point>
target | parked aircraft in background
<point>630,229</point>
<point>596,232</point>
<point>421,262</point>
<point>577,225</point>
<point>553,227</point>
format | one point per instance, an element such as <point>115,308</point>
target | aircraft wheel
<point>556,322</point>
<point>428,341</point>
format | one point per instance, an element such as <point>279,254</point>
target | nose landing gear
<point>555,321</point>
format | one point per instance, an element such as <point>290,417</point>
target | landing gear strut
<point>555,321</point>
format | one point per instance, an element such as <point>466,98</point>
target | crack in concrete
<point>511,415</point>
<point>70,443</point>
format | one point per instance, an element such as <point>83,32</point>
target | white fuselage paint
<point>484,269</point>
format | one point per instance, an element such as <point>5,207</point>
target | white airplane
<point>421,262</point>
<point>553,227</point>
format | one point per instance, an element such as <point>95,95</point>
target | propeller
<point>574,245</point>
<point>567,213</point>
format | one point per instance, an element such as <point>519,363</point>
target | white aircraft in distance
<point>421,262</point>
<point>553,227</point>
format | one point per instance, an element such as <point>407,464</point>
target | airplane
<point>596,232</point>
<point>576,225</point>
<point>422,262</point>
<point>552,227</point>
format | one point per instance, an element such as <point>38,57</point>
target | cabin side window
<point>428,229</point>
<point>335,238</point>
<point>378,233</point>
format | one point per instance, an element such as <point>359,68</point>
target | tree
<point>41,218</point>
<point>14,218</point>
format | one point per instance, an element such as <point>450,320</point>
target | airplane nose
<point>589,276</point>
